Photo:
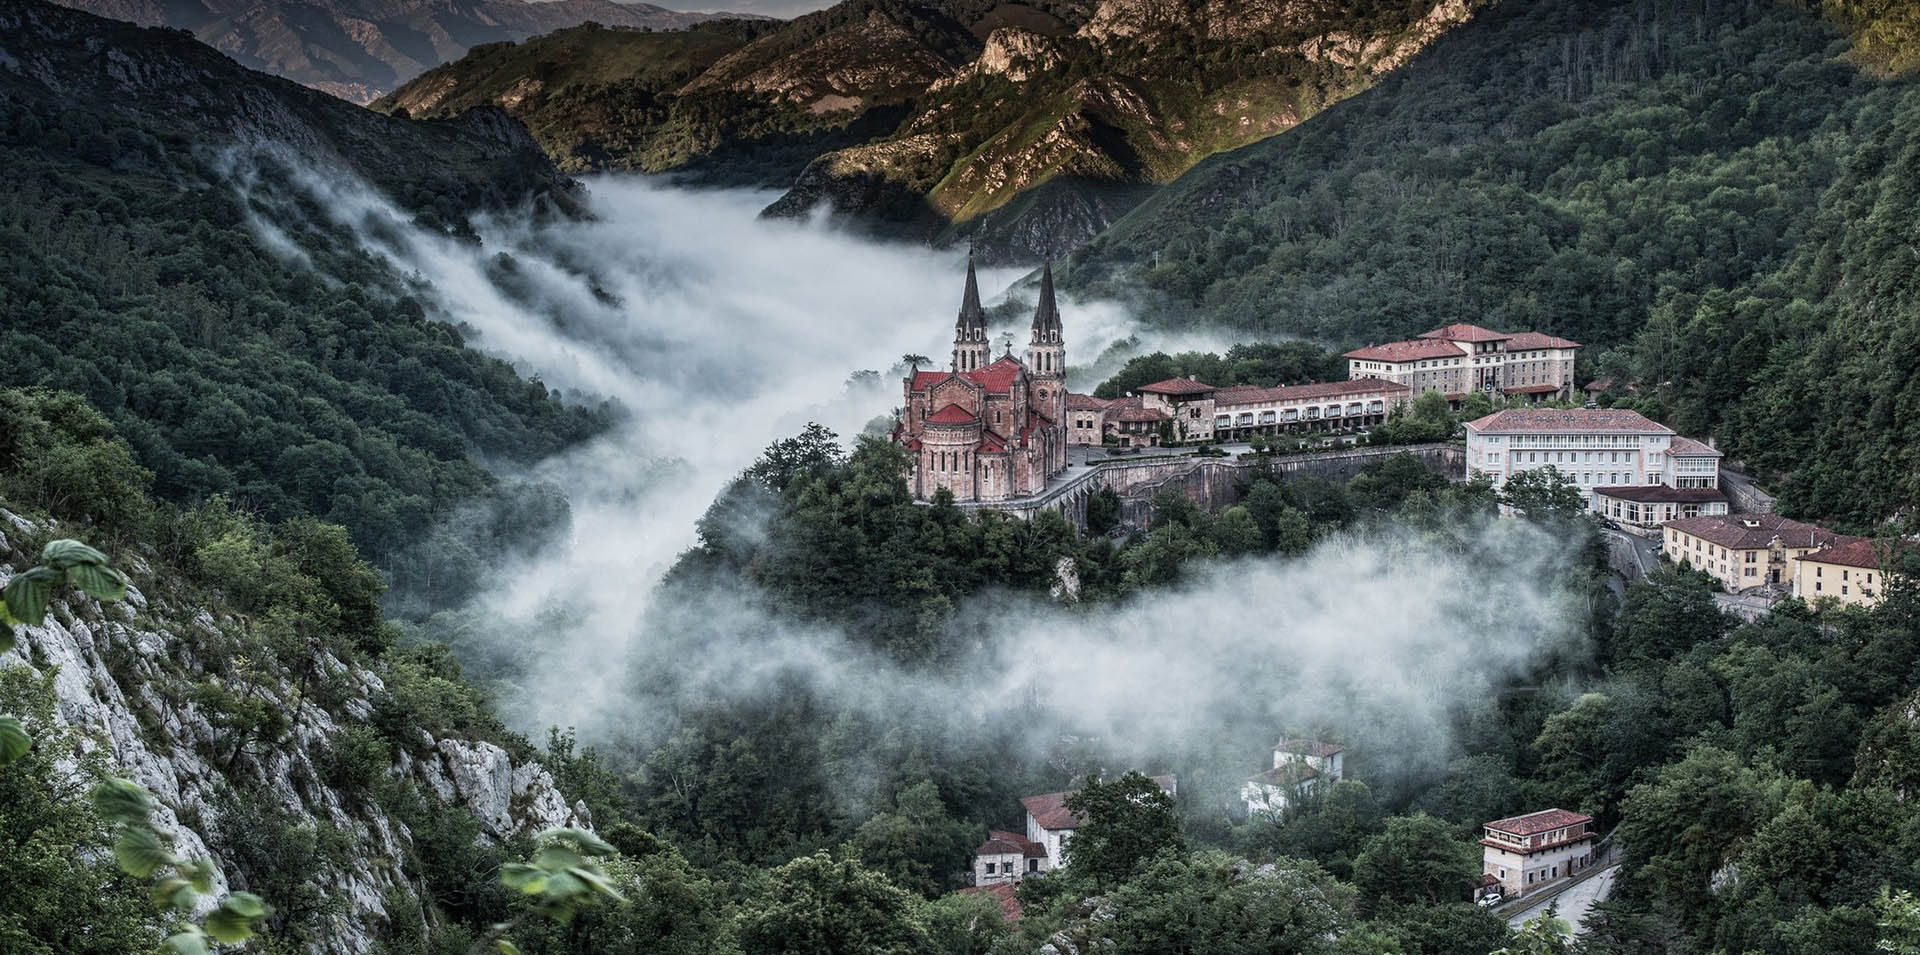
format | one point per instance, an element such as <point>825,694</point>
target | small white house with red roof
<point>1300,768</point>
<point>1007,857</point>
<point>1050,824</point>
<point>1527,853</point>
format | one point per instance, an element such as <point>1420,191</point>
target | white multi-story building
<point>1459,359</point>
<point>1627,467</point>
<point>1526,853</point>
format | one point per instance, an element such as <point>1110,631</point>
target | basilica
<point>990,429</point>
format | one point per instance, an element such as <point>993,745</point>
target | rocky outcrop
<point>122,677</point>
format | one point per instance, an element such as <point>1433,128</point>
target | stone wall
<point>1211,483</point>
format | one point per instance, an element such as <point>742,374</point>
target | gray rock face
<point>121,675</point>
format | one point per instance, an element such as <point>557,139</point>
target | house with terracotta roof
<point>1087,424</point>
<point>1627,467</point>
<point>1051,824</point>
<point>1187,404</point>
<point>1528,853</point>
<point>1007,857</point>
<point>1456,360</point>
<point>1851,572</point>
<point>1301,768</point>
<point>1746,551</point>
<point>989,429</point>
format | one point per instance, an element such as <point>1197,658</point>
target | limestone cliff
<point>137,678</point>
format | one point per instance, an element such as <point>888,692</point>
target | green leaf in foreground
<point>63,553</point>
<point>140,851</point>
<point>122,801</point>
<point>28,593</point>
<point>100,583</point>
<point>14,741</point>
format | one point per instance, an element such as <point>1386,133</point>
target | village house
<point>1460,359</point>
<point>1300,768</point>
<point>1526,853</point>
<point>989,429</point>
<point>1043,848</point>
<point>1626,466</point>
<point>1851,572</point>
<point>1746,551</point>
<point>1007,857</point>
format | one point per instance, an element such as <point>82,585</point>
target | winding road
<point>1574,901</point>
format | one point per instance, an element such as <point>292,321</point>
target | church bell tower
<point>1047,352</point>
<point>970,347</point>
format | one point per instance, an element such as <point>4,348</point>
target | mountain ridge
<point>359,49</point>
<point>1022,128</point>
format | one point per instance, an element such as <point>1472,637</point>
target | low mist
<point>719,332</point>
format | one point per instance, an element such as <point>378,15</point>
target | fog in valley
<point>718,332</point>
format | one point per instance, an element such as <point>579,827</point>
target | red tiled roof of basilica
<point>922,380</point>
<point>952,414</point>
<point>998,377</point>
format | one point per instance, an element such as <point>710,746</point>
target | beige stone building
<point>1745,551</point>
<point>1242,411</point>
<point>989,429</point>
<point>1530,852</point>
<point>1851,572</point>
<point>1458,359</point>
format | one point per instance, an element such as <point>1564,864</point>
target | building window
<point>989,868</point>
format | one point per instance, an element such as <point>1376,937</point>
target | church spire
<point>971,315</point>
<point>1046,315</point>
<point>970,347</point>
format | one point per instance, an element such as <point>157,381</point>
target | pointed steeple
<point>972,316</point>
<point>1046,315</point>
<point>970,347</point>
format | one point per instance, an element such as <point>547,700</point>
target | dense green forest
<point>1709,194</point>
<point>131,273</point>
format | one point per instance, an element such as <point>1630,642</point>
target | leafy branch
<point>144,852</point>
<point>24,601</point>
<point>562,878</point>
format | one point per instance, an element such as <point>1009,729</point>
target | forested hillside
<point>1024,127</point>
<point>130,273</point>
<point>1658,179</point>
<point>359,49</point>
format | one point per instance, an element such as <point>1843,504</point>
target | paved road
<point>1631,555</point>
<point>1575,902</point>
